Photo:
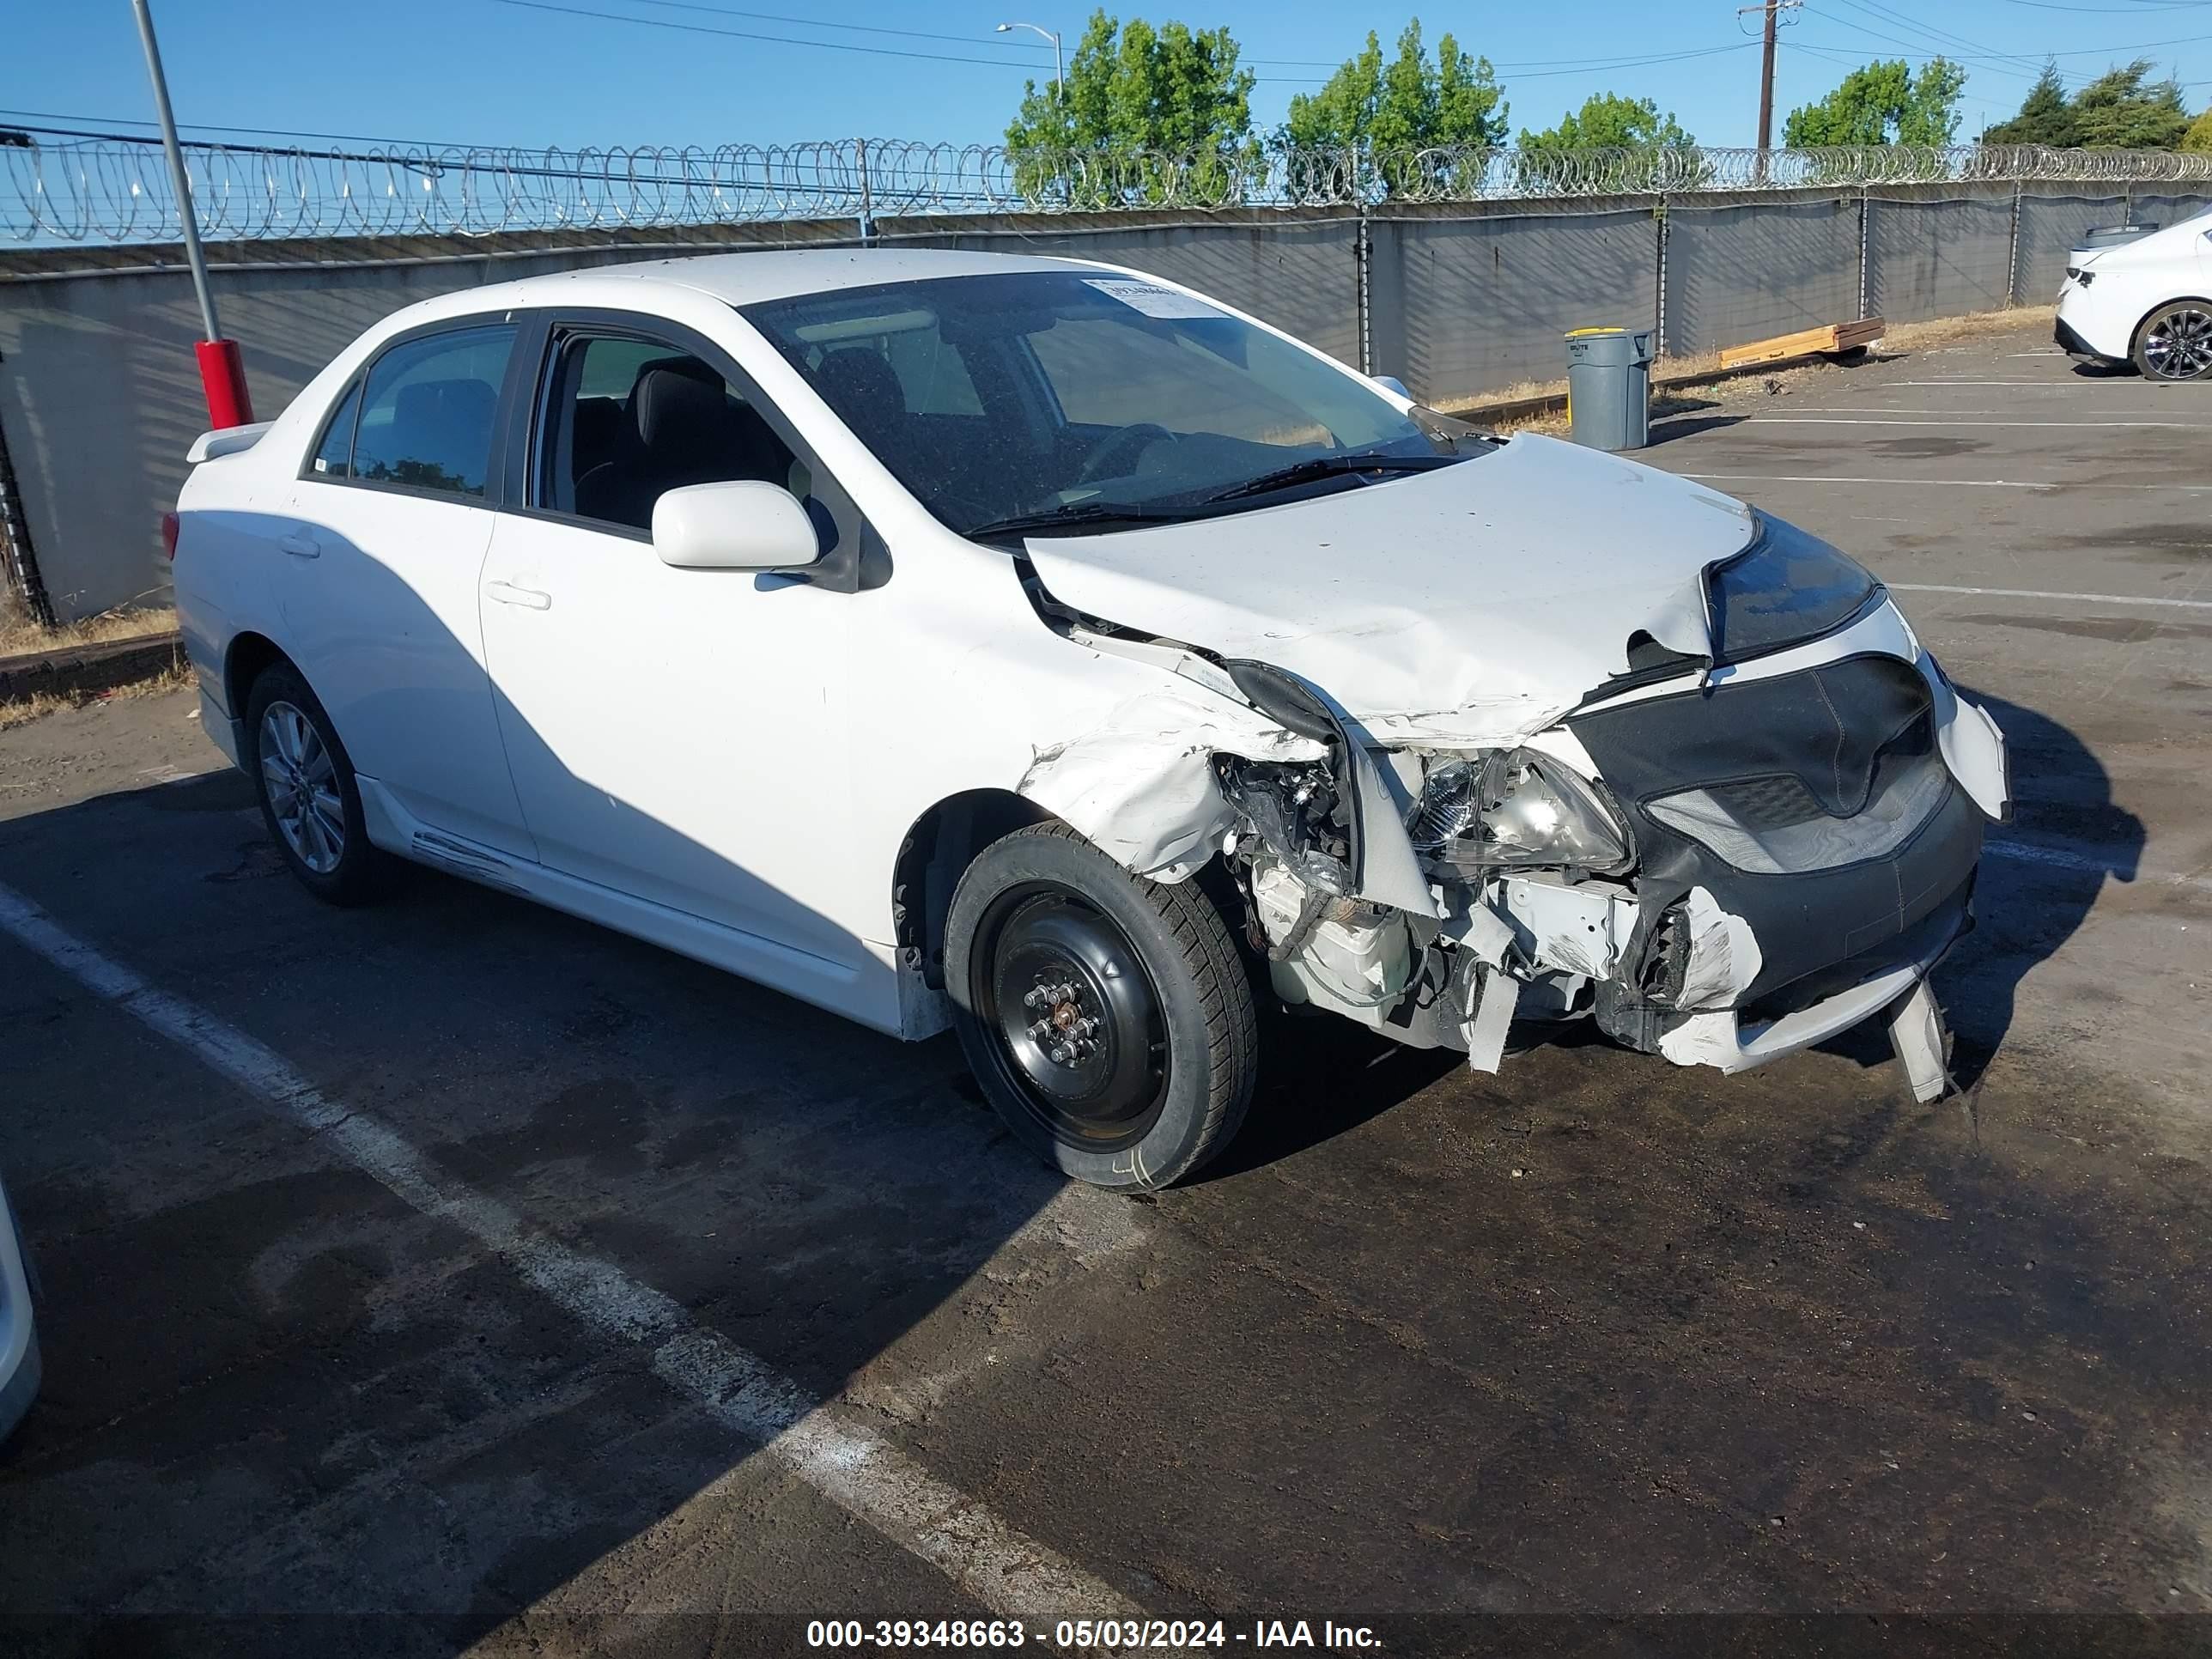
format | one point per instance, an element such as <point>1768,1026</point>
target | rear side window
<point>427,414</point>
<point>334,456</point>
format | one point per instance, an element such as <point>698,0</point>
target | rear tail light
<point>169,534</point>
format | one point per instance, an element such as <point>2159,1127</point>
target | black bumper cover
<point>2074,345</point>
<point>1818,931</point>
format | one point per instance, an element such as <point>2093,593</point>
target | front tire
<point>1109,1018</point>
<point>2175,342</point>
<point>309,799</point>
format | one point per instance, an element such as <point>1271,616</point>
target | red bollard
<point>223,372</point>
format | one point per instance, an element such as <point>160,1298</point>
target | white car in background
<point>2145,299</point>
<point>1043,649</point>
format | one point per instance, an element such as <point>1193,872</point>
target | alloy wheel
<point>300,778</point>
<point>2178,346</point>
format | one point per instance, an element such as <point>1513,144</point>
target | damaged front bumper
<point>1805,848</point>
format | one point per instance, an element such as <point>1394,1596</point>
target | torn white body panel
<point>1916,1036</point>
<point>1583,929</point>
<point>1722,1040</point>
<point>1724,956</point>
<point>1476,604</point>
<point>1142,787</point>
<point>1971,745</point>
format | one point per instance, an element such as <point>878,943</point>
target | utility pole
<point>1769,12</point>
<point>223,374</point>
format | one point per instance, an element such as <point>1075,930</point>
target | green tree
<point>1884,103</point>
<point>1413,102</point>
<point>2122,109</point>
<point>2199,136</point>
<point>1646,148</point>
<point>2045,118</point>
<point>1608,121</point>
<point>1143,110</point>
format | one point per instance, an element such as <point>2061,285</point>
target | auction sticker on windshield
<point>1150,298</point>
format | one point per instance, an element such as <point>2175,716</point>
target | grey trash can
<point>1609,387</point>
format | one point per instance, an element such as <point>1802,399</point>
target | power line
<point>1876,8</point>
<point>774,39</point>
<point>2113,11</point>
<point>105,121</point>
<point>1626,60</point>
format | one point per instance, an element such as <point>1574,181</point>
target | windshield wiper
<point>1075,513</point>
<point>1325,466</point>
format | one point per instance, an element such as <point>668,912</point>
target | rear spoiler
<point>225,441</point>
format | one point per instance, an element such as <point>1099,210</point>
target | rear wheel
<point>1109,1018</point>
<point>2175,343</point>
<point>309,799</point>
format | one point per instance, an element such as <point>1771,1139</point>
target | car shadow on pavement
<point>2040,877</point>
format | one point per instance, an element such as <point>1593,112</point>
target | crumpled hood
<point>1475,604</point>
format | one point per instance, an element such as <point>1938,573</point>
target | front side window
<point>1001,401</point>
<point>628,419</point>
<point>427,413</point>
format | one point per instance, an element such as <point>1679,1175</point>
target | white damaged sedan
<point>1043,649</point>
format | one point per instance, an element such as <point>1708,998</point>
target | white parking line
<point>823,1444</point>
<point>2044,593</point>
<point>1974,415</point>
<point>2035,852</point>
<point>1945,483</point>
<point>2064,425</point>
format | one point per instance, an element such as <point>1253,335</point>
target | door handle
<point>530,598</point>
<point>300,546</point>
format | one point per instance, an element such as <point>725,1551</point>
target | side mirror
<point>743,525</point>
<point>1391,383</point>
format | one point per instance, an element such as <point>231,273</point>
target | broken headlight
<point>1513,807</point>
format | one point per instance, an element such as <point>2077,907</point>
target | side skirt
<point>870,994</point>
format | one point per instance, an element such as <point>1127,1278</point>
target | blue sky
<point>496,72</point>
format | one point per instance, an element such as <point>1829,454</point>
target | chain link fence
<point>58,187</point>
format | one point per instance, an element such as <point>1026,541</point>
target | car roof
<point>740,279</point>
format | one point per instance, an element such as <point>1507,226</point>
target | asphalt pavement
<point>427,1277</point>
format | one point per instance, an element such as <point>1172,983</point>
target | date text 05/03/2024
<point>1087,1634</point>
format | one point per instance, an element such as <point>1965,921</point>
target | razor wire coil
<point>56,188</point>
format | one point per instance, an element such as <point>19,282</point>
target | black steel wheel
<point>1080,1040</point>
<point>1109,1018</point>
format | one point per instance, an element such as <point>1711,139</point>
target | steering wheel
<point>1113,458</point>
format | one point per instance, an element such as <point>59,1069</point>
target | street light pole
<point>1058,80</point>
<point>221,373</point>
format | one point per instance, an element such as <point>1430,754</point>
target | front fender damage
<point>1142,785</point>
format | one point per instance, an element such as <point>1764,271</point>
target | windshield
<point>1060,401</point>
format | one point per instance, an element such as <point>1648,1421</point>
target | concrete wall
<point>99,395</point>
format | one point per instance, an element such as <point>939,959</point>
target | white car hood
<point>1476,604</point>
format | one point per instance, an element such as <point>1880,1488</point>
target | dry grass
<point>20,636</point>
<point>22,711</point>
<point>1702,367</point>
